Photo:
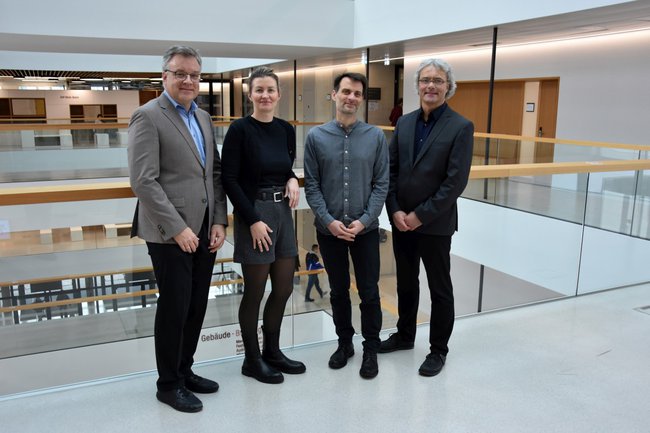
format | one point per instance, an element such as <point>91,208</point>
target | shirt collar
<point>435,114</point>
<point>349,128</point>
<point>193,106</point>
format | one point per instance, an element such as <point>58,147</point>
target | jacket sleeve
<point>313,191</point>
<point>144,170</point>
<point>220,214</point>
<point>234,154</point>
<point>392,205</point>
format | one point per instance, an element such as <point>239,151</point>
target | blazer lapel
<point>409,128</point>
<point>172,114</point>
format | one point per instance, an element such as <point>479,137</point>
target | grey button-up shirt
<point>346,174</point>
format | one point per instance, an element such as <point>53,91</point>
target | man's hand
<point>217,237</point>
<point>187,240</point>
<point>412,221</point>
<point>338,229</point>
<point>399,219</point>
<point>356,227</point>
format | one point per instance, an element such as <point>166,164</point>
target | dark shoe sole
<point>337,366</point>
<point>186,409</point>
<point>285,369</point>
<point>427,373</point>
<point>202,389</point>
<point>263,379</point>
<point>369,374</point>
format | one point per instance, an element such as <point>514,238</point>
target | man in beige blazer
<point>175,172</point>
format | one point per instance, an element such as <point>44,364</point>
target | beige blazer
<point>166,174</point>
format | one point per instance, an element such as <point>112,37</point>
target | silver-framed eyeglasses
<point>435,81</point>
<point>182,76</point>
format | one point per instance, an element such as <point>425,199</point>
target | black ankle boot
<point>276,359</point>
<point>257,368</point>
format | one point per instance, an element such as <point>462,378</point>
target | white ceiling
<point>617,18</point>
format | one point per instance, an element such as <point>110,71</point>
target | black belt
<point>275,197</point>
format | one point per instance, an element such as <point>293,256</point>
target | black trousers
<point>365,258</point>
<point>434,251</point>
<point>183,282</point>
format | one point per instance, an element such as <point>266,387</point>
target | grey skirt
<point>276,213</point>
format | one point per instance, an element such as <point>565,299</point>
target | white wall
<point>57,102</point>
<point>604,87</point>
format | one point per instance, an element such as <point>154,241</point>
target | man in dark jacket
<point>430,160</point>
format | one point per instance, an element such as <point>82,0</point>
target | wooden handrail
<point>642,147</point>
<point>542,169</point>
<point>58,303</point>
<point>121,189</point>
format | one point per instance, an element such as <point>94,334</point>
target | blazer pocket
<point>178,201</point>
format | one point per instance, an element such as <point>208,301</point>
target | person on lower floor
<point>312,262</point>
<point>258,154</point>
<point>346,182</point>
<point>430,161</point>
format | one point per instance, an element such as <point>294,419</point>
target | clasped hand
<point>406,222</point>
<point>338,229</point>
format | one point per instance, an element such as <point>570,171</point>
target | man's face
<point>349,96</point>
<point>432,87</point>
<point>182,91</point>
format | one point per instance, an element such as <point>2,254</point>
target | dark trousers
<point>312,281</point>
<point>365,258</point>
<point>183,282</point>
<point>409,248</point>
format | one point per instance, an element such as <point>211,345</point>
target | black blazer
<point>430,185</point>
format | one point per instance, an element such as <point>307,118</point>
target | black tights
<point>255,277</point>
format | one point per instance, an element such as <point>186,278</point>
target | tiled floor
<point>573,365</point>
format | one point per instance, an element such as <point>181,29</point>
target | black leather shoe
<point>369,368</point>
<point>432,364</point>
<point>339,359</point>
<point>180,399</point>
<point>258,369</point>
<point>280,362</point>
<point>200,384</point>
<point>393,343</point>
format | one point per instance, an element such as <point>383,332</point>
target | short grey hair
<point>440,65</point>
<point>179,50</point>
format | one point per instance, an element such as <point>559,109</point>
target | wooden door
<point>471,100</point>
<point>549,91</point>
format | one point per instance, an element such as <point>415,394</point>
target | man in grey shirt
<point>346,183</point>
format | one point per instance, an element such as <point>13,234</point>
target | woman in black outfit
<point>258,154</point>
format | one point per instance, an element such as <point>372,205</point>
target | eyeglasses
<point>436,81</point>
<point>182,76</point>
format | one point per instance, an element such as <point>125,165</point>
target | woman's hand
<point>292,190</point>
<point>260,234</point>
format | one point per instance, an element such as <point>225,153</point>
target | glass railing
<point>70,275</point>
